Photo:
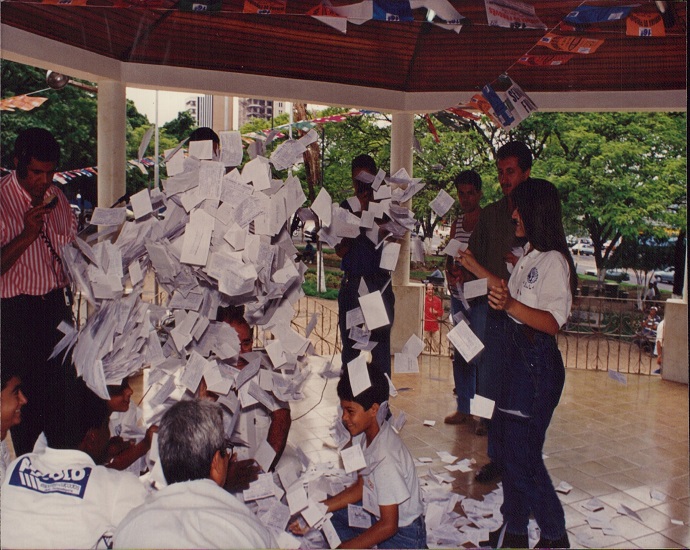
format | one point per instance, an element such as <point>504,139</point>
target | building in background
<point>201,109</point>
<point>259,108</point>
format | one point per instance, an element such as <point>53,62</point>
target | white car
<point>665,275</point>
<point>583,249</point>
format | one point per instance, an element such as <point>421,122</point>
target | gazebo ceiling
<point>408,65</point>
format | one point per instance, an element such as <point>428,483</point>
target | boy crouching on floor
<point>388,487</point>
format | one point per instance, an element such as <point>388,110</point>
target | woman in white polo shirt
<point>537,298</point>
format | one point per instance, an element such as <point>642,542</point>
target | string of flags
<point>513,14</point>
<point>505,109</point>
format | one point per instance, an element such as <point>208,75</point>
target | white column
<point>402,136</point>
<point>111,134</point>
<point>409,297</point>
<point>222,113</point>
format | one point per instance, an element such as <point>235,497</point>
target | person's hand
<point>467,260</point>
<point>499,296</point>
<point>33,221</point>
<point>298,527</point>
<point>240,474</point>
<point>149,434</point>
<point>510,258</point>
<point>117,445</point>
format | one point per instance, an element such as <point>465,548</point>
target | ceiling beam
<point>31,49</point>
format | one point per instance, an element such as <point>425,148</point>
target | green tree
<point>70,114</point>
<point>620,174</point>
<point>180,127</point>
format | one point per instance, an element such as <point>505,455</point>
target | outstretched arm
<point>278,432</point>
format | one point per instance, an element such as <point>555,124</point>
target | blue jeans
<point>348,298</point>
<point>410,536</point>
<point>532,385</point>
<point>464,373</point>
<point>490,376</point>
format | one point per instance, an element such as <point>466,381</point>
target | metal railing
<point>602,333</point>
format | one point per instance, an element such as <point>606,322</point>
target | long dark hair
<point>539,206</point>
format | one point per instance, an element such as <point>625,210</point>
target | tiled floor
<point>608,440</point>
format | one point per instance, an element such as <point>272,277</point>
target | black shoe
<point>488,473</point>
<point>509,540</point>
<point>563,542</point>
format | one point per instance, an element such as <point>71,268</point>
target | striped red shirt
<point>35,271</point>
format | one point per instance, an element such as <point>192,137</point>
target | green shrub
<point>309,288</point>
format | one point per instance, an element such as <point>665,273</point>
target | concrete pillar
<point>402,135</point>
<point>409,297</point>
<point>675,350</point>
<point>222,113</point>
<point>112,154</point>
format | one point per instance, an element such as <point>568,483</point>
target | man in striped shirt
<point>36,223</point>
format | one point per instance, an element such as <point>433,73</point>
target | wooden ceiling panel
<point>410,56</point>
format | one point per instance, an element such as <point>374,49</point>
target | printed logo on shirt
<point>70,482</point>
<point>532,276</point>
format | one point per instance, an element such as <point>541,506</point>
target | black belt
<point>56,295</point>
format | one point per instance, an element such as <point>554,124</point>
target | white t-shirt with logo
<point>541,280</point>
<point>61,499</point>
<point>391,477</point>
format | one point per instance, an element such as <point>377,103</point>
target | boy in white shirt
<point>388,487</point>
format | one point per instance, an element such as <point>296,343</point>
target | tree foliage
<point>70,114</point>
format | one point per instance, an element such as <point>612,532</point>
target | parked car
<point>583,249</point>
<point>665,275</point>
<point>617,275</point>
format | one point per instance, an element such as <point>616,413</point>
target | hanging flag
<point>22,102</point>
<point>586,15</point>
<point>519,103</point>
<point>265,7</point>
<point>325,14</point>
<point>462,113</point>
<point>479,102</point>
<point>553,60</point>
<point>512,14</point>
<point>451,120</point>
<point>440,13</point>
<point>432,128</point>
<point>645,23</point>
<point>500,109</point>
<point>392,10</point>
<point>572,44</point>
<point>200,5</point>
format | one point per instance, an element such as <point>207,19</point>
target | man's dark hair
<point>35,143</point>
<point>204,134</point>
<point>378,392</point>
<point>518,150</point>
<point>539,206</point>
<point>71,418</point>
<point>364,161</point>
<point>231,314</point>
<point>11,365</point>
<point>189,435</point>
<point>468,177</point>
<point>114,390</point>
